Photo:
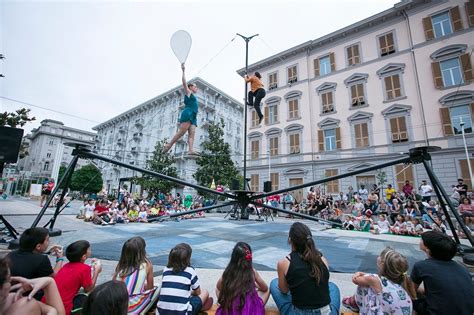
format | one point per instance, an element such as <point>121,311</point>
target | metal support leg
<point>435,181</point>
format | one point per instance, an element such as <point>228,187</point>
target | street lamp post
<point>465,149</point>
<point>247,39</point>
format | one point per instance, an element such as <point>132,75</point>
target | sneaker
<point>104,223</point>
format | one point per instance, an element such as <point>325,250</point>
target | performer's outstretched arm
<point>187,91</point>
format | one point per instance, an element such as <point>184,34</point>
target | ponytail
<point>408,285</point>
<point>302,240</point>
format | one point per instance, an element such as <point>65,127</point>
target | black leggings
<point>259,95</point>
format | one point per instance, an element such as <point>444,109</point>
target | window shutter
<point>329,98</point>
<point>390,43</point>
<point>466,66</point>
<point>360,93</point>
<point>446,121</point>
<point>383,44</point>
<point>470,12</point>
<point>394,127</point>
<point>338,137</point>
<point>396,85</point>
<point>437,77</point>
<point>472,112</point>
<point>365,130</point>
<point>316,67</point>
<point>428,27</point>
<point>355,51</point>
<point>350,55</point>
<point>297,143</point>
<point>321,140</point>
<point>358,136</point>
<point>402,124</point>
<point>267,115</point>
<point>456,19</point>
<point>332,61</point>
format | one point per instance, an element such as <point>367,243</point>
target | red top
<point>100,209</point>
<point>70,278</point>
<point>50,186</point>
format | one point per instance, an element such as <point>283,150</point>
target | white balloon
<point>181,45</point>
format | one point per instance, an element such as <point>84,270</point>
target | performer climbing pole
<point>181,45</point>
<point>256,91</point>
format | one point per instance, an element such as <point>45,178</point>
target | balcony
<point>272,86</point>
<point>98,139</point>
<point>120,142</point>
<point>137,135</point>
<point>122,129</point>
<point>210,106</point>
<point>139,122</point>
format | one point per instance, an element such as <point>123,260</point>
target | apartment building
<point>365,94</point>
<point>46,146</point>
<point>131,136</point>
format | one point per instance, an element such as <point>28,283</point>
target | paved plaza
<point>212,239</point>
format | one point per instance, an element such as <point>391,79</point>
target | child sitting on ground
<point>418,227</point>
<point>143,215</point>
<point>89,210</point>
<point>241,290</point>
<point>388,292</point>
<point>410,226</point>
<point>399,227</point>
<point>366,221</point>
<point>382,226</point>
<point>180,289</point>
<point>136,271</point>
<point>76,274</point>
<point>348,224</point>
<point>133,213</point>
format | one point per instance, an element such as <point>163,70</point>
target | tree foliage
<point>87,179</point>
<point>215,161</point>
<point>163,163</point>
<point>18,118</point>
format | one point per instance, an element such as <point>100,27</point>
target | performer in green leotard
<point>188,118</point>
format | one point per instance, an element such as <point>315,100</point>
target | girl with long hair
<point>388,292</point>
<point>303,283</point>
<point>136,271</point>
<point>241,290</point>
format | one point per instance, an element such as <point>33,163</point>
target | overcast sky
<point>97,59</point>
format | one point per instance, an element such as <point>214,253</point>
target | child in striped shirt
<point>181,293</point>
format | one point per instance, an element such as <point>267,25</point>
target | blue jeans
<point>283,301</point>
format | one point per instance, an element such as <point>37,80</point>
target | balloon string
<point>220,51</point>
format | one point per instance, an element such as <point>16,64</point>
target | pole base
<point>55,232</point>
<point>14,244</point>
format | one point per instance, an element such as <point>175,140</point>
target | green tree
<point>87,179</point>
<point>215,162</point>
<point>162,163</point>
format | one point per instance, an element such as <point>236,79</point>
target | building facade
<point>365,94</point>
<point>131,136</point>
<point>46,146</point>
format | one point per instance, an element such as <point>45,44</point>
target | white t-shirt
<point>425,190</point>
<point>89,210</point>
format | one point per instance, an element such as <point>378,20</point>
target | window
<point>273,145</point>
<point>293,109</point>
<point>361,132</point>
<point>255,118</point>
<point>465,172</point>
<point>442,24</point>
<point>292,74</point>
<point>460,114</point>
<point>272,81</point>
<point>398,129</point>
<point>403,173</point>
<point>275,178</point>
<point>237,144</point>
<point>392,87</point>
<point>297,193</point>
<point>357,95</point>
<point>254,182</point>
<point>327,102</point>
<point>255,148</point>
<point>451,72</point>
<point>330,139</point>
<point>470,12</point>
<point>386,44</point>
<point>51,142</point>
<point>271,114</point>
<point>324,65</point>
<point>332,187</point>
<point>353,55</point>
<point>48,155</point>
<point>46,166</point>
<point>451,66</point>
<point>294,143</point>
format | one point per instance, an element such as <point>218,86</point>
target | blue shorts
<point>196,303</point>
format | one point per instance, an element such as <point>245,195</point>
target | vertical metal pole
<point>247,39</point>
<point>435,181</point>
<point>446,213</point>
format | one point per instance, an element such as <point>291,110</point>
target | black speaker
<point>267,186</point>
<point>10,140</point>
<point>235,185</point>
